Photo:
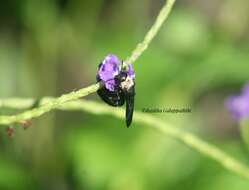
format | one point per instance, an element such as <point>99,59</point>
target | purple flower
<point>109,68</point>
<point>238,105</point>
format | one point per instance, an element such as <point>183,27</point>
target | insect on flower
<point>118,84</point>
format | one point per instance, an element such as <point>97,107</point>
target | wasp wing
<point>115,98</point>
<point>129,97</point>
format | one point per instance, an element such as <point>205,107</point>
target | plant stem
<point>53,104</point>
<point>141,47</point>
<point>187,138</point>
<point>49,105</point>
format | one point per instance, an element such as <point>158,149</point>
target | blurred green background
<point>200,57</point>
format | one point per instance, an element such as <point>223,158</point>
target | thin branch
<point>49,105</point>
<point>53,104</point>
<point>187,138</point>
<point>141,47</point>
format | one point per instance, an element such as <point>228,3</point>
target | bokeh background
<point>198,59</point>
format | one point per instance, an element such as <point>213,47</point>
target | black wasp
<point>118,84</point>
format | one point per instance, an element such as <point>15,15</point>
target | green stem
<point>50,105</point>
<point>141,47</point>
<point>187,138</point>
